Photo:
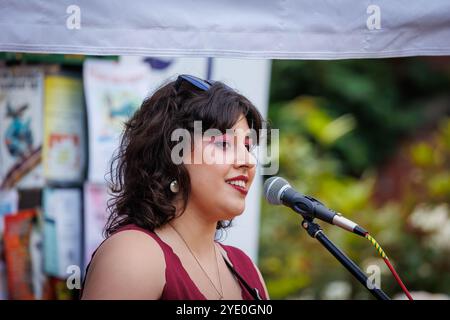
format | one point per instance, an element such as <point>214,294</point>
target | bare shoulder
<point>128,265</point>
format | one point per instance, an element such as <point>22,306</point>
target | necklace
<point>220,293</point>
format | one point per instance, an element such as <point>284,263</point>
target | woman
<point>165,214</point>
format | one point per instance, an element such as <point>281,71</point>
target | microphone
<point>278,191</point>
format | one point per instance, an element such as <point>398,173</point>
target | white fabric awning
<point>283,29</point>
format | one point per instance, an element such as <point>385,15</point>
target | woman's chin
<point>235,212</point>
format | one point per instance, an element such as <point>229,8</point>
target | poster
<point>113,92</point>
<point>64,155</point>
<point>95,217</point>
<point>38,276</point>
<point>21,127</point>
<point>62,230</point>
<point>3,281</point>
<point>17,237</point>
<point>9,203</point>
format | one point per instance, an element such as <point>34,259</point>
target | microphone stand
<point>316,232</point>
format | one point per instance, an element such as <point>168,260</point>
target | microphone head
<point>272,188</point>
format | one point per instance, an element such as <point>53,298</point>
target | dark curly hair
<point>142,169</point>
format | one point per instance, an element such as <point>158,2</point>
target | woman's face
<point>224,173</point>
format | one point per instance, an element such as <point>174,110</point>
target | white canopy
<point>283,29</point>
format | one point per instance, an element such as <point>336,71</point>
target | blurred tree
<point>386,97</point>
<point>349,135</point>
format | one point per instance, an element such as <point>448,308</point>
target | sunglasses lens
<point>197,82</point>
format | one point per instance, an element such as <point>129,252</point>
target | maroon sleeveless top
<point>179,286</point>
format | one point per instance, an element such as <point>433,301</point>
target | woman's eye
<point>250,147</point>
<point>222,144</point>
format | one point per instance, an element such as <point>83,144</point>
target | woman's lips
<point>240,189</point>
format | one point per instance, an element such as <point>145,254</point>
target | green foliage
<point>386,97</point>
<point>339,121</point>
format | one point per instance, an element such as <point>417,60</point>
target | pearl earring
<point>174,186</point>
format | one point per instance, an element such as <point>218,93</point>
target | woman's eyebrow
<point>246,132</point>
<point>248,135</point>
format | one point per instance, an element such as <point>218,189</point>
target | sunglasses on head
<point>201,84</point>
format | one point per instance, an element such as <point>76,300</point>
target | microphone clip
<point>311,227</point>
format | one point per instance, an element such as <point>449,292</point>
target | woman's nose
<point>244,157</point>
